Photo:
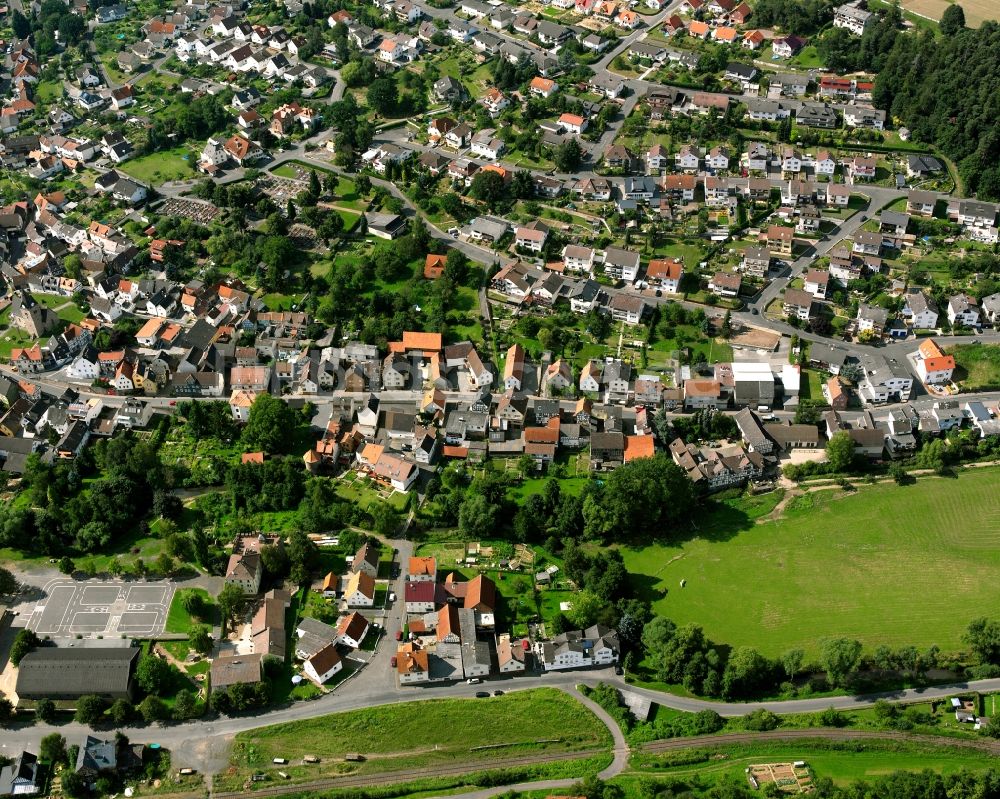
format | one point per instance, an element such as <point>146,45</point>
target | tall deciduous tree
<point>268,426</point>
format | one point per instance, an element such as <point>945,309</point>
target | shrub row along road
<point>712,741</point>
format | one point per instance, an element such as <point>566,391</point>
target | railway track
<point>407,775</point>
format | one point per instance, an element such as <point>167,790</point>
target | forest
<point>941,85</point>
<point>944,88</point>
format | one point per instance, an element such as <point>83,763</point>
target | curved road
<point>189,737</point>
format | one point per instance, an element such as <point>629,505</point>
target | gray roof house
<point>50,673</point>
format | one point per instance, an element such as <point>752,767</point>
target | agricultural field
<point>976,11</point>
<point>446,731</point>
<point>837,564</point>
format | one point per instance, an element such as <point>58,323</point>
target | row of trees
<point>685,656</point>
<point>925,784</point>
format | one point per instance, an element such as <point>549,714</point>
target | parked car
<point>482,694</point>
<point>473,681</point>
<point>498,693</point>
<point>392,661</point>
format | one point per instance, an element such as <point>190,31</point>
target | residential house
<point>627,308</point>
<point>323,665</point>
<point>725,284</point>
<point>852,17</point>
<point>360,590</point>
<point>963,310</point>
<point>933,365</point>
<point>872,318</point>
<point>798,303</point>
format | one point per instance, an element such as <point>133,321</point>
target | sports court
<point>99,607</point>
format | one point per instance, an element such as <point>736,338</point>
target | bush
<point>832,718</point>
<point>761,721</point>
<point>705,722</point>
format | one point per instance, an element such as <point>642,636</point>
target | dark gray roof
<point>51,672</point>
<point>20,777</point>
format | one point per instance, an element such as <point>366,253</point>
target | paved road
<point>191,741</point>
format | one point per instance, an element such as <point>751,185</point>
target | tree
<point>230,598</point>
<point>642,498</point>
<point>363,185</point>
<point>584,609</point>
<point>45,710</point>
<point>277,253</point>
<point>66,565</point>
<point>152,674</point>
<point>983,635</point>
<point>488,187</point>
<point>746,671</point>
<point>52,749</point>
<point>269,425</point>
<point>476,516</point>
<point>791,662</point>
<point>840,657</point>
<point>385,520</point>
<point>200,639</point>
<point>21,25</point>
<point>121,712</point>
<point>952,20</point>
<point>73,784</point>
<point>8,583</point>
<point>840,451</point>
<point>24,642</point>
<point>6,710</point>
<point>383,96</point>
<point>167,505</point>
<point>152,708</point>
<point>89,709</point>
<point>193,602</point>
<point>567,156</point>
<point>185,706</point>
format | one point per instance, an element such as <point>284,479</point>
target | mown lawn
<point>159,167</point>
<point>180,621</point>
<point>888,565</point>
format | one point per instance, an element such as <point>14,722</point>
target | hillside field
<point>976,11</point>
<point>888,564</point>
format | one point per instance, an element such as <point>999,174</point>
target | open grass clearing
<point>837,565</point>
<point>977,366</point>
<point>443,731</point>
<point>162,166</point>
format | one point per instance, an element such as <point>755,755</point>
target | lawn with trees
<point>836,564</point>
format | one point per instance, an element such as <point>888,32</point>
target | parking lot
<point>100,607</point>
